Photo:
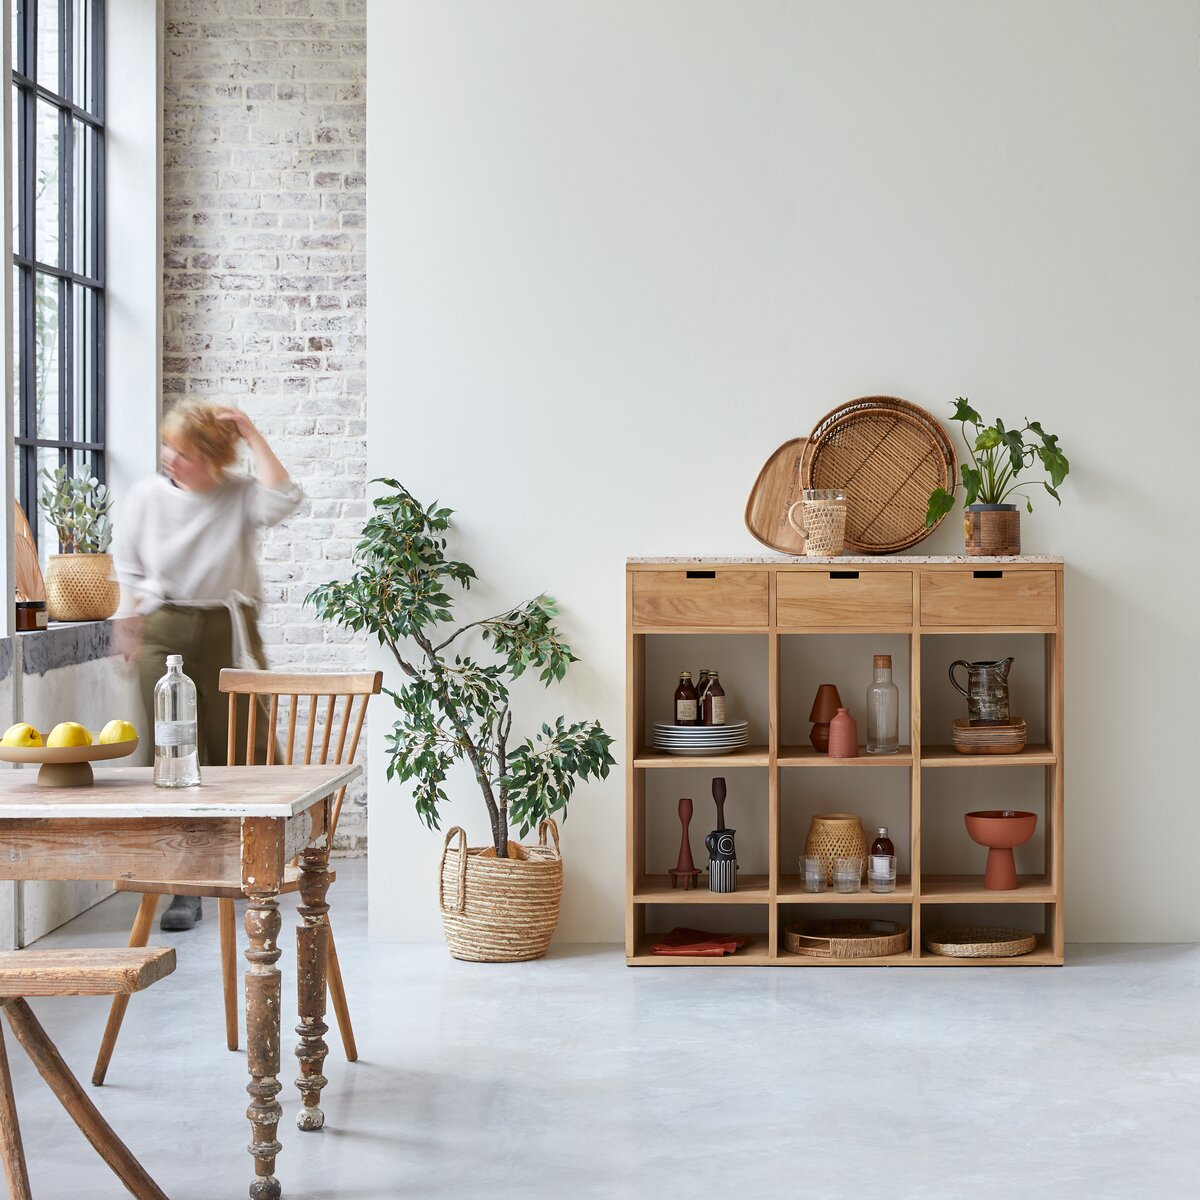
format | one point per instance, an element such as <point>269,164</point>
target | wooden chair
<point>265,690</point>
<point>68,973</point>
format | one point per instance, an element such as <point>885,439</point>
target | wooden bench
<point>68,973</point>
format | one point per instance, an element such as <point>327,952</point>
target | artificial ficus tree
<point>453,708</point>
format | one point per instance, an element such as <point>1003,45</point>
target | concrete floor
<point>577,1077</point>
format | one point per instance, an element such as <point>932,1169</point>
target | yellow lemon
<point>117,731</point>
<point>21,735</point>
<point>68,733</point>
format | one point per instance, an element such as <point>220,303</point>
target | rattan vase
<point>500,909</point>
<point>992,529</point>
<point>81,587</point>
<point>836,835</point>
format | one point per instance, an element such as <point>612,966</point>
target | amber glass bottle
<point>712,704</point>
<point>685,701</point>
<point>882,843</point>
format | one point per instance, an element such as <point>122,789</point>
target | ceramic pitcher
<point>986,690</point>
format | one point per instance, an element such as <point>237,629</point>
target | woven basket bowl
<point>81,587</point>
<point>500,909</point>
<point>980,941</point>
<point>836,835</point>
<point>889,456</point>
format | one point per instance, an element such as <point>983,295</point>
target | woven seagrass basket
<point>81,587</point>
<point>500,909</point>
<point>836,835</point>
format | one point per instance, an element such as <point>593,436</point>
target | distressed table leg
<point>312,964</point>
<point>263,1022</point>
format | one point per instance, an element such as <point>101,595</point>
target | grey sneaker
<point>182,913</point>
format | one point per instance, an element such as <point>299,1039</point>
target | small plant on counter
<point>998,457</point>
<point>77,507</point>
<point>458,708</point>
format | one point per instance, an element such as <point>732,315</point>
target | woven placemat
<point>980,941</point>
<point>888,455</point>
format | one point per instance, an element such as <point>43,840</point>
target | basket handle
<point>548,823</point>
<point>460,900</point>
<point>791,519</point>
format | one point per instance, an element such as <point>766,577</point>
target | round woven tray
<point>889,456</point>
<point>980,941</point>
<point>847,937</point>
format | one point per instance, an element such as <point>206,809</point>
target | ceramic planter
<point>81,587</point>
<point>993,529</point>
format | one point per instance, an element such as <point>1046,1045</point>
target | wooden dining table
<point>242,823</point>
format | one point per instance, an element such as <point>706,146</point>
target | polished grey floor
<point>577,1077</point>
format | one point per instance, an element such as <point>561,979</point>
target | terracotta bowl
<point>1000,830</point>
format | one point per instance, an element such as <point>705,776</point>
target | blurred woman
<point>188,559</point>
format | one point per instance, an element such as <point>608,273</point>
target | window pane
<point>47,184</point>
<point>18,164</point>
<point>46,381</point>
<point>18,44</point>
<point>85,75</point>
<point>47,539</point>
<point>48,45</point>
<point>83,368</point>
<point>17,328</point>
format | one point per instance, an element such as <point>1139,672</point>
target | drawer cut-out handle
<point>843,574</point>
<point>989,574</point>
<point>702,574</point>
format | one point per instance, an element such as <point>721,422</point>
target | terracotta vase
<point>843,735</point>
<point>836,835</point>
<point>824,709</point>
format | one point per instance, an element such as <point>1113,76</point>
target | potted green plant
<point>80,585</point>
<point>499,903</point>
<point>991,524</point>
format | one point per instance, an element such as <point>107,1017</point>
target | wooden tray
<point>848,937</point>
<point>775,490</point>
<point>988,739</point>
<point>980,941</point>
<point>889,455</point>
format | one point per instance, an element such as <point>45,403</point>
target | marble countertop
<point>973,560</point>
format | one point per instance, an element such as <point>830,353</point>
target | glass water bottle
<point>883,710</point>
<point>176,756</point>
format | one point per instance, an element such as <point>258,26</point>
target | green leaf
<point>987,439</point>
<point>965,413</point>
<point>972,482</point>
<point>940,503</point>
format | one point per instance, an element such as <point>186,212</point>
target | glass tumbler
<point>847,874</point>
<point>881,873</point>
<point>812,873</point>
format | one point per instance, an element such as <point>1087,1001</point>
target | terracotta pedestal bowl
<point>1000,830</point>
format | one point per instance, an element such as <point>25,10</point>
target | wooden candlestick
<point>684,871</point>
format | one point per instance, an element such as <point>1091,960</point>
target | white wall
<point>627,244</point>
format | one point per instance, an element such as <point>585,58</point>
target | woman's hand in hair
<point>268,470</point>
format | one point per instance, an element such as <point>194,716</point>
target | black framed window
<point>58,241</point>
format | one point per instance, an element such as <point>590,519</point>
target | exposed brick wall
<point>264,282</point>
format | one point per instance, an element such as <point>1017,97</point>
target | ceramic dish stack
<point>1008,738</point>
<point>701,741</point>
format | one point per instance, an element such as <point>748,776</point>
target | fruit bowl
<point>67,766</point>
<point>1000,830</point>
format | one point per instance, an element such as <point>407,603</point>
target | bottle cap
<point>174,660</point>
<point>883,831</point>
<point>883,660</point>
<point>682,674</point>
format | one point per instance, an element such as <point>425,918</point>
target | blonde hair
<point>196,425</point>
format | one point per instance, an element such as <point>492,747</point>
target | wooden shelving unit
<point>778,597</point>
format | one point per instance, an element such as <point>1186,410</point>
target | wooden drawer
<point>834,598</point>
<point>990,597</point>
<point>700,598</point>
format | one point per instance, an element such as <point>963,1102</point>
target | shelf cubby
<point>776,628</point>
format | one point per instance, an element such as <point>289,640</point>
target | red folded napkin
<point>695,943</point>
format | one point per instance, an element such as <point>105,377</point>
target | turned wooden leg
<point>312,958</point>
<point>138,936</point>
<point>45,1056</point>
<point>227,923</point>
<point>262,1040</point>
<point>341,1010</point>
<point>11,1150</point>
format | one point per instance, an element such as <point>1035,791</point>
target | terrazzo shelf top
<point>914,559</point>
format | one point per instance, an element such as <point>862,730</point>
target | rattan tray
<point>889,455</point>
<point>980,941</point>
<point>847,937</point>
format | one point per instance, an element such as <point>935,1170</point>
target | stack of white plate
<point>701,740</point>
